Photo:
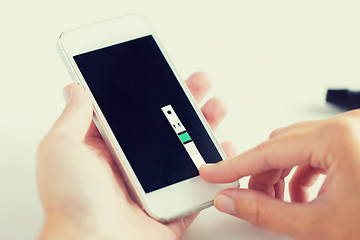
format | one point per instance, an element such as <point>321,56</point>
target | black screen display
<point>131,82</point>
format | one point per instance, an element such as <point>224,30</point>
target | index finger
<point>282,152</point>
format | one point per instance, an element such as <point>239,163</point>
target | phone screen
<point>131,83</point>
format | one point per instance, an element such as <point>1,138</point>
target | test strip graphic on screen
<point>183,135</point>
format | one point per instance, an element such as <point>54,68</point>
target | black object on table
<point>344,98</point>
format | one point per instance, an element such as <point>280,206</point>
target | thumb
<point>261,210</point>
<point>78,112</point>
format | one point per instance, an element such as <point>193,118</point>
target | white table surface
<point>272,61</point>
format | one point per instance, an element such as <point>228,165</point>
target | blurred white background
<point>272,62</point>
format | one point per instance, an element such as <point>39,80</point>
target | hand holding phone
<point>80,186</point>
<point>145,114</point>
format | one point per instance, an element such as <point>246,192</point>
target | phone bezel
<point>199,194</point>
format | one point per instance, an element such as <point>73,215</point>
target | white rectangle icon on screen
<point>183,135</point>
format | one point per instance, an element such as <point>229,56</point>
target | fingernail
<point>225,204</point>
<point>67,93</point>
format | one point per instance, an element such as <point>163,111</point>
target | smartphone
<point>145,114</point>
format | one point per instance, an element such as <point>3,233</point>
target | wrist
<point>60,227</point>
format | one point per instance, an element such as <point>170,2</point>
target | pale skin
<point>330,147</point>
<point>84,197</point>
<point>80,187</point>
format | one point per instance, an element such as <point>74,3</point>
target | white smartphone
<point>145,114</point>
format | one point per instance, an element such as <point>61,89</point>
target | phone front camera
<point>169,112</point>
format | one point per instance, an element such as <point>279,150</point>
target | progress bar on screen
<point>183,135</point>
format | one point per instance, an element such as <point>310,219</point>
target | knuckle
<point>274,133</point>
<point>263,158</point>
<point>338,137</point>
<point>343,129</point>
<point>267,188</point>
<point>256,213</point>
